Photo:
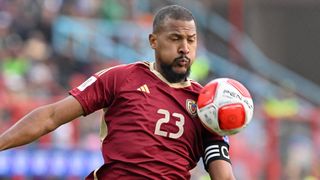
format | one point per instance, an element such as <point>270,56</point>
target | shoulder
<point>123,69</point>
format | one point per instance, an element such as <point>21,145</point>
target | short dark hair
<point>175,12</point>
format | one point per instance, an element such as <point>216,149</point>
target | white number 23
<point>166,119</point>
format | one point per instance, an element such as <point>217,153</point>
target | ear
<point>153,41</point>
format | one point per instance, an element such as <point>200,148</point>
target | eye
<point>174,38</point>
<point>191,40</point>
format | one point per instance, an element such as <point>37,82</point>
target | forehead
<point>178,26</point>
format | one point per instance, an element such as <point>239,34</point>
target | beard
<point>172,76</point>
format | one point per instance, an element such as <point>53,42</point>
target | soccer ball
<point>225,106</point>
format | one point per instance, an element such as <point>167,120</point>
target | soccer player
<point>151,127</point>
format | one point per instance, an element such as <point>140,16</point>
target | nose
<point>184,48</point>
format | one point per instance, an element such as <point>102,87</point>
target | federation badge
<point>191,106</point>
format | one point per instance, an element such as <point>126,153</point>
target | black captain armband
<point>218,150</point>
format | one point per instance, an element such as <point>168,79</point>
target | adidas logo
<point>144,88</point>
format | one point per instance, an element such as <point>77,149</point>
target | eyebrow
<point>179,34</point>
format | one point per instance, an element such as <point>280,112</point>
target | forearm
<point>29,128</point>
<point>40,122</point>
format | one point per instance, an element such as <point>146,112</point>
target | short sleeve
<point>99,90</point>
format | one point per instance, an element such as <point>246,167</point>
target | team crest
<point>191,106</point>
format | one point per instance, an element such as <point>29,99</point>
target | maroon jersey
<point>151,124</point>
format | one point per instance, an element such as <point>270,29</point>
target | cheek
<point>167,46</point>
<point>192,53</point>
<point>167,50</point>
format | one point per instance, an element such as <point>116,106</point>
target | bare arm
<point>40,121</point>
<point>221,170</point>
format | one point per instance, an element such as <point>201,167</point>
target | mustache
<point>183,56</point>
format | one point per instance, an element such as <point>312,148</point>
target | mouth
<point>182,61</point>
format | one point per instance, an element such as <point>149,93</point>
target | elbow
<point>50,125</point>
<point>45,120</point>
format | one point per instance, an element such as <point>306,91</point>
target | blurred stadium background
<point>50,46</point>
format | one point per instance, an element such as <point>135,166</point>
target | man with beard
<point>150,111</point>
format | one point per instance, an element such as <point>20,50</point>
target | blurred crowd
<point>48,47</point>
<point>33,72</point>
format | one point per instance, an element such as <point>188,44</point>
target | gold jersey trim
<point>103,127</point>
<point>95,177</point>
